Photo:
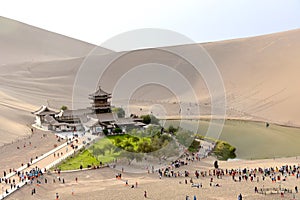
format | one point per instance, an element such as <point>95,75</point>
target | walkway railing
<point>21,184</point>
<point>35,161</point>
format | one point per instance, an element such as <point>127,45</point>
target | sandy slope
<point>23,43</point>
<point>261,75</point>
<point>39,67</point>
<point>35,65</point>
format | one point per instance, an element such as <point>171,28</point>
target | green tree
<point>224,150</point>
<point>172,129</point>
<point>105,131</point>
<point>128,146</point>
<point>165,137</point>
<point>150,119</point>
<point>63,107</point>
<point>117,130</point>
<point>135,139</point>
<point>120,112</point>
<point>144,147</point>
<point>146,119</point>
<point>194,146</point>
<point>117,142</point>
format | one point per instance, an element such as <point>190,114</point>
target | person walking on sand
<point>57,197</point>
<point>240,197</point>
<point>195,198</point>
<point>145,194</point>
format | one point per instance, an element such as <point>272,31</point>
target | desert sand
<point>21,151</point>
<point>260,76</point>
<point>38,67</point>
<point>102,184</point>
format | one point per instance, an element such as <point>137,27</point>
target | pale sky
<point>200,20</point>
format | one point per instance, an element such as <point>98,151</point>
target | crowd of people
<point>274,174</point>
<point>27,174</point>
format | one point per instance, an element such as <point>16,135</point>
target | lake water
<point>253,140</point>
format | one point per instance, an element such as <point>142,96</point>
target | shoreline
<point>208,118</point>
<point>200,118</point>
<point>173,118</point>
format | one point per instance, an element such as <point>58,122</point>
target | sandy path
<point>12,157</point>
<point>41,164</point>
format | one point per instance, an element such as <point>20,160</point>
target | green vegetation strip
<point>84,158</point>
<point>134,145</point>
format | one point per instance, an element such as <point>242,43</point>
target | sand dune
<point>23,43</point>
<point>37,67</point>
<point>261,75</point>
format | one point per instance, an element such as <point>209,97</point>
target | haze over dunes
<point>37,67</point>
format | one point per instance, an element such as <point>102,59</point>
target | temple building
<point>94,119</point>
<point>101,108</point>
<point>41,113</point>
<point>100,102</point>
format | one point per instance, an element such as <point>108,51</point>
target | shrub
<point>150,119</point>
<point>172,129</point>
<point>105,131</point>
<point>224,151</point>
<point>194,146</point>
<point>63,107</point>
<point>120,112</point>
<point>117,130</point>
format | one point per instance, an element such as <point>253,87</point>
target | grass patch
<point>84,158</point>
<point>107,149</point>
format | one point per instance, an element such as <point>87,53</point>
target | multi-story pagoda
<point>100,102</point>
<point>101,109</point>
